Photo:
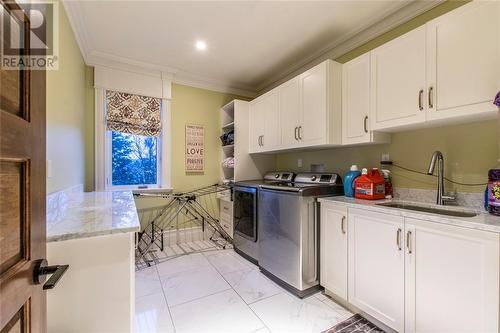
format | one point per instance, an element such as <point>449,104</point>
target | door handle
<point>408,242</point>
<point>431,103</point>
<point>398,239</point>
<point>300,132</point>
<point>365,124</point>
<point>295,133</point>
<point>42,268</point>
<point>342,225</point>
<point>262,140</point>
<point>420,99</point>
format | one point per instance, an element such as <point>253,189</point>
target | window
<point>134,159</point>
<point>133,141</point>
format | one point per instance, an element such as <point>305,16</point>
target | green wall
<point>470,150</point>
<point>66,128</point>
<point>202,107</point>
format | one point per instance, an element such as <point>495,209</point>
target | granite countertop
<point>89,214</point>
<point>483,221</point>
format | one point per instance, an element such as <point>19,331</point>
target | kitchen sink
<point>428,209</point>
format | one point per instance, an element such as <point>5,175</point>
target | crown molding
<point>93,57</point>
<point>75,17</point>
<point>96,58</point>
<point>351,41</point>
<point>336,48</point>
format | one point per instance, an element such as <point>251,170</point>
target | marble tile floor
<point>220,292</point>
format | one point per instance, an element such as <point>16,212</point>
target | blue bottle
<point>349,181</point>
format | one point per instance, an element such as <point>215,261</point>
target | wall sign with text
<point>195,151</point>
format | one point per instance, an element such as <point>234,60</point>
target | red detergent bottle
<point>370,185</point>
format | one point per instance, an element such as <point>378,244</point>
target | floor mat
<point>355,324</point>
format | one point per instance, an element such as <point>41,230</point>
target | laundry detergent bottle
<point>349,181</point>
<point>370,185</point>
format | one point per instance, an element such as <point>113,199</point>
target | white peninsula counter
<point>94,233</point>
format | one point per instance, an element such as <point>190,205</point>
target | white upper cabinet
<point>356,103</point>
<point>398,81</point>
<point>314,88</point>
<point>290,113</point>
<point>446,71</point>
<point>264,123</point>
<point>463,61</point>
<point>303,112</point>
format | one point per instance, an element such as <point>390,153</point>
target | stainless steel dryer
<point>245,212</point>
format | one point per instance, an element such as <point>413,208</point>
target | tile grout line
<point>263,299</point>
<point>262,321</point>
<point>198,298</point>
<point>166,301</point>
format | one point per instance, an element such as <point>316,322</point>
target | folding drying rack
<point>180,224</point>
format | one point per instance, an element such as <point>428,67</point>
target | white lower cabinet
<point>376,266</point>
<point>451,278</point>
<point>226,216</point>
<point>412,275</point>
<point>333,249</point>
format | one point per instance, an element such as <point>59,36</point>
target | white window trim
<point>102,144</point>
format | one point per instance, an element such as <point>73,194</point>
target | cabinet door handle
<point>408,242</point>
<point>420,99</point>
<point>258,140</point>
<point>431,104</point>
<point>398,239</point>
<point>300,132</point>
<point>295,133</point>
<point>365,124</point>
<point>342,225</point>
<point>262,140</point>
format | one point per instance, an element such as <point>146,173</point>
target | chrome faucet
<point>441,198</point>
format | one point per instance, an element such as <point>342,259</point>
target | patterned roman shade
<point>133,114</point>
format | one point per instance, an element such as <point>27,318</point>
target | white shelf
<point>228,126</point>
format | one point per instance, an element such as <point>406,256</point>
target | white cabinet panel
<point>463,59</point>
<point>451,279</point>
<point>290,111</point>
<point>356,100</point>
<point>356,103</point>
<point>313,128</point>
<point>271,123</point>
<point>264,123</point>
<point>376,265</point>
<point>256,130</point>
<point>333,248</point>
<point>398,81</point>
<point>303,112</point>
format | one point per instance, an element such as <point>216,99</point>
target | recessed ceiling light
<point>201,45</point>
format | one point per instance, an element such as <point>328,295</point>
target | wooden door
<point>463,61</point>
<point>314,106</point>
<point>333,248</point>
<point>376,266</point>
<point>22,190</point>
<point>289,108</point>
<point>452,278</point>
<point>398,82</point>
<point>356,100</point>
